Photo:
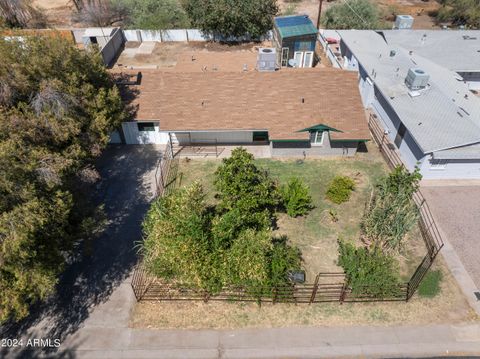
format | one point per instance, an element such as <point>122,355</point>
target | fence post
<point>161,174</point>
<point>315,289</point>
<point>170,143</point>
<point>343,294</point>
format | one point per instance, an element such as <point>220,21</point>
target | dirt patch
<point>58,12</point>
<point>193,56</point>
<point>419,9</point>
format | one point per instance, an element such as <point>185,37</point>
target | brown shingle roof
<point>254,101</point>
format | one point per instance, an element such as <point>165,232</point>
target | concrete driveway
<point>94,291</point>
<point>457,211</point>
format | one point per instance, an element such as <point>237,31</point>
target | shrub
<point>354,14</point>
<point>369,271</point>
<point>340,188</point>
<point>392,211</point>
<point>430,285</point>
<point>176,238</point>
<point>283,258</point>
<point>296,198</point>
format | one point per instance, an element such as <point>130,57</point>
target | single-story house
<point>302,112</point>
<point>426,108</point>
<point>295,37</point>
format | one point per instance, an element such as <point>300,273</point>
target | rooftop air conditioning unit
<point>416,79</point>
<point>266,59</point>
<point>403,22</point>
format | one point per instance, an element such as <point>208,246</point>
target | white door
<point>298,56</point>
<point>308,59</point>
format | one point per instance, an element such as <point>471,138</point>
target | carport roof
<point>283,102</point>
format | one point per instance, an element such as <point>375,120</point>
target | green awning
<point>319,127</point>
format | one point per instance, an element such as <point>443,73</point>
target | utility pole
<point>320,2</point>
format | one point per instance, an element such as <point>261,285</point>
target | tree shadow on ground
<point>89,280</point>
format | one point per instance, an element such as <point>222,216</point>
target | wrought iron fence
<point>149,288</point>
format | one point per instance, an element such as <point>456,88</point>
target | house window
<point>284,56</point>
<point>438,164</point>
<point>146,126</point>
<point>316,138</point>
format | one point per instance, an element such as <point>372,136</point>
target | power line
<point>356,13</point>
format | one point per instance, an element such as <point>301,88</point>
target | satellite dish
<point>292,63</point>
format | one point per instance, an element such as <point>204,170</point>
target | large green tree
<point>154,14</point>
<point>352,14</point>
<point>57,107</point>
<point>232,17</point>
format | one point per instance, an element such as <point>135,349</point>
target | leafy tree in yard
<point>57,107</point>
<point>232,17</point>
<point>296,198</point>
<point>369,271</point>
<point>460,12</point>
<point>392,211</point>
<point>154,14</point>
<point>352,14</point>
<point>241,184</point>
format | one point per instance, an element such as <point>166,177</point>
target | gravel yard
<point>457,211</point>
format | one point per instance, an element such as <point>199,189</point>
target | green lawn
<point>315,234</point>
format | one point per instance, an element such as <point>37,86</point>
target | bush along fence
<point>428,228</point>
<point>327,287</point>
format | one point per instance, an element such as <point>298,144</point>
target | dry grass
<point>448,307</point>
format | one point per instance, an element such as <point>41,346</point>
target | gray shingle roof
<point>457,50</point>
<point>441,117</point>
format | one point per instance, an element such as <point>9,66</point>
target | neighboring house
<point>420,90</point>
<point>296,113</point>
<point>294,38</point>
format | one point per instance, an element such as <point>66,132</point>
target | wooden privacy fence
<point>328,287</point>
<point>428,228</point>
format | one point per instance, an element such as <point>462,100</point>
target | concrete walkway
<point>343,342</point>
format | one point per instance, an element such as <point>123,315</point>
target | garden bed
<point>316,233</point>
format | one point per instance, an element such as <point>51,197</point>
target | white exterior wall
<point>135,137</point>
<point>214,136</point>
<point>454,169</point>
